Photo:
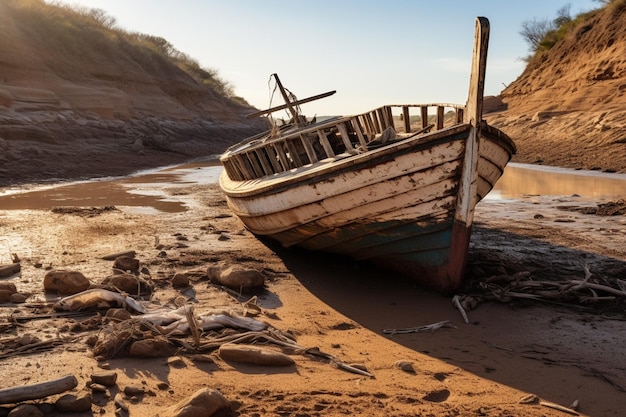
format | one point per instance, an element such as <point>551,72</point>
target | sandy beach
<point>564,354</point>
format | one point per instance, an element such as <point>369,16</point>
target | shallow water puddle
<point>521,180</point>
<point>144,192</point>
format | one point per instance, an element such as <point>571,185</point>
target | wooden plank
<point>359,133</point>
<point>308,148</point>
<point>284,160</point>
<point>440,116</point>
<point>406,117</point>
<point>274,158</point>
<point>377,126</point>
<point>293,152</point>
<point>424,116</point>
<point>265,163</point>
<point>371,131</point>
<point>245,166</point>
<point>254,164</point>
<point>345,137</point>
<point>459,115</point>
<point>468,185</point>
<point>290,104</point>
<point>325,143</point>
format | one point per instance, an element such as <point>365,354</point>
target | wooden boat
<point>373,186</point>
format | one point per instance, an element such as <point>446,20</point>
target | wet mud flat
<point>560,350</point>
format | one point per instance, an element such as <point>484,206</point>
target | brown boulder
<point>237,277</point>
<point>204,403</point>
<point>127,283</point>
<point>65,282</point>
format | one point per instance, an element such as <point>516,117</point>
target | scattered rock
<point>254,355</point>
<point>118,314</point>
<point>97,387</point>
<point>18,298</point>
<point>126,263</point>
<point>237,277</point>
<point>133,391</point>
<point>25,410</point>
<point>74,403</point>
<point>125,282</point>
<point>65,282</point>
<point>114,256</point>
<point>152,348</point>
<point>108,379</point>
<point>8,286</point>
<point>406,366</point>
<point>176,362</point>
<point>180,280</point>
<point>204,403</point>
<point>5,296</point>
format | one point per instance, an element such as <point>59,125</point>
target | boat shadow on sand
<point>510,342</point>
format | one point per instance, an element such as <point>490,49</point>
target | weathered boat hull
<point>394,206</point>
<point>374,186</point>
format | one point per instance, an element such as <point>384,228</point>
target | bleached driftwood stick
<point>418,329</point>
<point>456,300</point>
<point>559,407</point>
<point>37,391</point>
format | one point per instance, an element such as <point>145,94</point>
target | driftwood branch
<point>558,407</point>
<point>520,285</point>
<point>456,300</point>
<point>419,329</point>
<point>36,391</point>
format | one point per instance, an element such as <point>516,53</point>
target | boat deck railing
<point>295,147</point>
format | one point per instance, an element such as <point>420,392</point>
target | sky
<point>373,52</point>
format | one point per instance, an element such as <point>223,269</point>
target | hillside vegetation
<point>567,108</point>
<point>74,88</point>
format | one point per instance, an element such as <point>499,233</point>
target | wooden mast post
<point>464,213</point>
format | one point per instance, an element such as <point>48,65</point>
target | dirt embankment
<point>567,107</point>
<point>78,99</point>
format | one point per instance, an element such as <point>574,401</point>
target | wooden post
<point>440,116</point>
<point>424,116</point>
<point>407,119</point>
<point>464,213</point>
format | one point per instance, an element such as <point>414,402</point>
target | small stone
<point>236,276</point>
<point>163,386</point>
<point>25,410</point>
<point>74,403</point>
<point>204,402</point>
<point>406,366</point>
<point>126,263</point>
<point>152,348</point>
<point>8,286</point>
<point>176,362</point>
<point>118,314</point>
<point>18,298</point>
<point>108,379</point>
<point>133,391</point>
<point>97,387</point>
<point>65,282</point>
<point>5,296</point>
<point>125,282</point>
<point>180,280</point>
<point>203,358</point>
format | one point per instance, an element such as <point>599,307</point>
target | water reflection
<point>143,192</point>
<point>523,179</point>
<point>146,192</point>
